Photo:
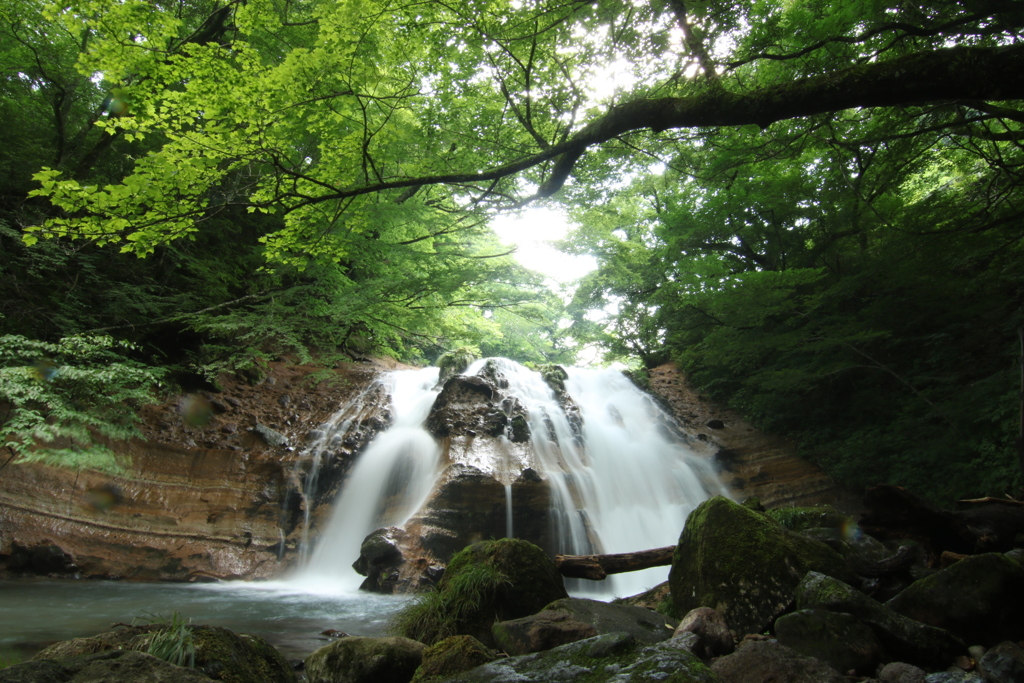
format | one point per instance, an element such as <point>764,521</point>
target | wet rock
<point>365,660</point>
<point>756,661</point>
<point>954,676</point>
<point>102,667</point>
<point>800,518</point>
<point>541,631</point>
<point>714,638</point>
<point>743,564</point>
<point>647,626</point>
<point>602,659</point>
<point>380,559</point>
<point>901,672</point>
<point>980,598</point>
<point>1004,663</point>
<point>487,582</point>
<point>840,640</point>
<point>270,436</point>
<point>219,653</point>
<point>904,638</point>
<point>452,656</point>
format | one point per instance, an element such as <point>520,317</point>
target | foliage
<point>172,641</point>
<point>61,400</point>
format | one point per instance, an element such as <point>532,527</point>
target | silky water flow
<point>624,480</point>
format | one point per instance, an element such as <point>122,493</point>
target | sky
<point>531,231</point>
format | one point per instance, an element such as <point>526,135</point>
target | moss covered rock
<point>365,660</point>
<point>800,518</point>
<point>904,638</point>
<point>744,565</point>
<point>606,658</point>
<point>842,641</point>
<point>454,363</point>
<point>486,582</point>
<point>451,656</point>
<point>219,653</point>
<point>979,598</point>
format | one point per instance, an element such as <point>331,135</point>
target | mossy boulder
<point>800,518</point>
<point>646,625</point>
<point>451,656</point>
<point>486,582</point>
<point>365,660</point>
<point>842,641</point>
<point>101,667</point>
<point>744,565</point>
<point>903,638</point>
<point>219,653</point>
<point>605,658</point>
<point>980,598</point>
<point>454,363</point>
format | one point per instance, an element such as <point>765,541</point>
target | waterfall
<point>389,482</point>
<point>622,477</point>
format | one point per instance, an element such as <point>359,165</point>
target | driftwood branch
<point>597,567</point>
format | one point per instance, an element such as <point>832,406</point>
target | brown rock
<point>758,661</point>
<point>711,629</point>
<point>541,631</point>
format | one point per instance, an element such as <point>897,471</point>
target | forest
<point>814,208</point>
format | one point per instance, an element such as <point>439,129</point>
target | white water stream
<point>624,484</point>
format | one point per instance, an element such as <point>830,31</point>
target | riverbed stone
<point>744,565</point>
<point>125,666</point>
<point>901,672</point>
<point>359,659</point>
<point>714,638</point>
<point>612,657</point>
<point>1004,663</point>
<point>903,638</point>
<point>541,631</point>
<point>647,626</point>
<point>840,640</point>
<point>980,598</point>
<point>756,661</point>
<point>452,656</point>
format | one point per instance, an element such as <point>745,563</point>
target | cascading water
<point>620,479</point>
<point>388,483</point>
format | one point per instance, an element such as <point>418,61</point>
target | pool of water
<point>37,612</point>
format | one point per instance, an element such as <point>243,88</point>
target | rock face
<point>753,463</point>
<point>743,565</point>
<point>219,503</point>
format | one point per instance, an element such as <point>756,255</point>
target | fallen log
<point>597,567</point>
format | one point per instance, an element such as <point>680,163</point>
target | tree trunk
<point>597,567</point>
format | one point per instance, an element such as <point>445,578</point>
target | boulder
<point>756,661</point>
<point>486,582</point>
<point>842,641</point>
<point>744,565</point>
<point>901,672</point>
<point>902,637</point>
<point>219,653</point>
<point>1004,663</point>
<point>643,624</point>
<point>602,659</point>
<point>800,518</point>
<point>714,638</point>
<point>541,631</point>
<point>979,598</point>
<point>451,656</point>
<point>101,667</point>
<point>380,558</point>
<point>365,660</point>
